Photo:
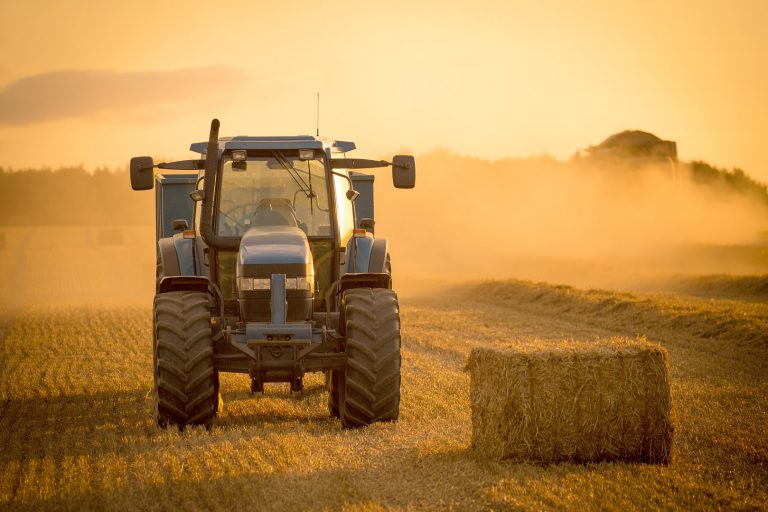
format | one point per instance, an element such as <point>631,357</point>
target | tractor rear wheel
<point>186,383</point>
<point>371,382</point>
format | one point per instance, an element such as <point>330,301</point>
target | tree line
<point>75,196</point>
<point>72,196</point>
<point>736,180</point>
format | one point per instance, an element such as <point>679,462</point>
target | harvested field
<point>654,314</point>
<point>77,431</point>
<point>76,426</point>
<point>727,287</point>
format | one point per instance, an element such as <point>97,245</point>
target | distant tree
<point>736,180</point>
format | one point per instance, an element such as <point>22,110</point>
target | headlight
<point>248,284</point>
<point>298,283</point>
<point>261,283</point>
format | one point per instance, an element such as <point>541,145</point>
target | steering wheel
<point>274,212</point>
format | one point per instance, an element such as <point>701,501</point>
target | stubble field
<point>76,426</point>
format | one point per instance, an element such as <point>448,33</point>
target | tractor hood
<point>267,250</point>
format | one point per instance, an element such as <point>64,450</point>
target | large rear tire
<point>186,383</point>
<point>371,383</point>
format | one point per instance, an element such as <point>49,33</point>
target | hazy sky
<point>95,83</point>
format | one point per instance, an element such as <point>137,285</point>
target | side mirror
<point>142,174</point>
<point>404,171</point>
<point>352,195</point>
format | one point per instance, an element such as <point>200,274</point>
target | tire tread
<point>372,378</point>
<point>186,387</point>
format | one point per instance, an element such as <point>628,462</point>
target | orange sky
<point>89,83</point>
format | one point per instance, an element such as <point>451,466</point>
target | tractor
<point>266,266</point>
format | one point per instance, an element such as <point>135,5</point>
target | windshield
<point>277,190</point>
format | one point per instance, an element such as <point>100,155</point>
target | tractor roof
<point>276,142</point>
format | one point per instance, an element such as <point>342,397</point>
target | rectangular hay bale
<point>577,402</point>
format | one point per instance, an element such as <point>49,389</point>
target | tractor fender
<point>367,254</point>
<point>183,284</point>
<point>200,284</point>
<point>176,270</point>
<point>167,258</point>
<point>175,254</point>
<point>364,280</point>
<point>184,248</point>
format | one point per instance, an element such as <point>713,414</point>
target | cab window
<point>272,191</point>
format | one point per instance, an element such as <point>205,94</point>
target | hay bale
<point>607,400</point>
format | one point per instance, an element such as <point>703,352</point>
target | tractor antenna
<point>317,133</point>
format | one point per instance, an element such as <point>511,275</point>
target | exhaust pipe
<point>209,189</point>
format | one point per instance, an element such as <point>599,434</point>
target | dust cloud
<point>76,265</point>
<point>72,236</point>
<point>576,222</point>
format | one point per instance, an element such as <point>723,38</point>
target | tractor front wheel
<point>371,382</point>
<point>186,383</point>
